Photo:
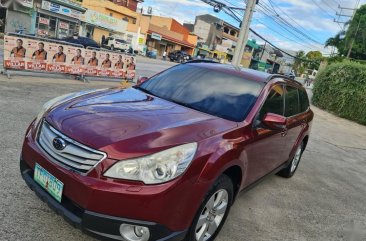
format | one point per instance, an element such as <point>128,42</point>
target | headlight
<point>156,168</point>
<point>58,100</point>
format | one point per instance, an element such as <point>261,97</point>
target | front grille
<point>75,156</point>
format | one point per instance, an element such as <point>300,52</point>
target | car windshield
<point>204,89</point>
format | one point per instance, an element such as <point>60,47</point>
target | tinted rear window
<point>207,90</point>
<point>292,106</point>
<point>304,100</point>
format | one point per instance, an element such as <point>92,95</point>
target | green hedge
<point>341,88</point>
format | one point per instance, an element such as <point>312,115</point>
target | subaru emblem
<point>59,143</point>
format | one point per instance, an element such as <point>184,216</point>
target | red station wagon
<point>165,159</point>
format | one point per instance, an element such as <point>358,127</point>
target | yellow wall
<point>143,21</point>
<point>119,12</point>
<point>98,33</point>
<point>192,39</point>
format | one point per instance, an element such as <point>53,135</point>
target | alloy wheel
<point>212,215</point>
<point>296,159</point>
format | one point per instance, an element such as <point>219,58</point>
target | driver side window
<point>274,102</point>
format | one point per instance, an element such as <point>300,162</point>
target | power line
<point>325,11</point>
<point>287,26</point>
<point>232,14</point>
<point>330,6</point>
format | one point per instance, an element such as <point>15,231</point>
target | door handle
<point>284,132</point>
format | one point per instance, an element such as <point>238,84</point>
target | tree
<point>313,59</point>
<point>355,36</point>
<point>298,62</point>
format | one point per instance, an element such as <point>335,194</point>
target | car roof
<point>248,74</point>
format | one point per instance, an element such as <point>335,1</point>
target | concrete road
<point>325,200</point>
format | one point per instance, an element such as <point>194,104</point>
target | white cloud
<point>304,15</point>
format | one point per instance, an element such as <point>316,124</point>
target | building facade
<point>57,18</point>
<point>106,18</point>
<point>130,4</point>
<point>166,34</point>
<point>217,39</point>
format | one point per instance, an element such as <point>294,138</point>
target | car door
<point>295,118</point>
<point>265,152</point>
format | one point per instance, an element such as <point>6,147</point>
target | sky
<point>312,20</point>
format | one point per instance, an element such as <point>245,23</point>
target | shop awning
<point>173,40</point>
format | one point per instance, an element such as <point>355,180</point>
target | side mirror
<point>141,80</point>
<point>274,121</point>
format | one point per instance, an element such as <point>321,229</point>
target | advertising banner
<point>57,8</point>
<point>39,55</point>
<point>103,20</point>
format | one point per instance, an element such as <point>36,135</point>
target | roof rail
<point>201,61</point>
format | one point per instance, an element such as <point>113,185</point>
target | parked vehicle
<point>165,160</point>
<point>179,56</point>
<point>290,75</point>
<point>152,54</point>
<point>86,42</point>
<point>114,43</point>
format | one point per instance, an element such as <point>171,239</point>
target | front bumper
<point>92,223</point>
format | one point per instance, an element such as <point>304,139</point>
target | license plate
<point>50,183</point>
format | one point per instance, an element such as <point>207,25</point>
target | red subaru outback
<point>164,160</point>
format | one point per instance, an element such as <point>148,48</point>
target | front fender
<point>222,159</point>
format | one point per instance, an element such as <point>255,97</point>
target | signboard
<point>38,55</point>
<point>156,36</point>
<point>57,8</point>
<point>26,3</point>
<point>45,21</point>
<point>42,32</point>
<point>141,40</point>
<point>103,20</point>
<point>63,25</point>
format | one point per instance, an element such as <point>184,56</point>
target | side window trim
<point>260,109</point>
<point>298,101</point>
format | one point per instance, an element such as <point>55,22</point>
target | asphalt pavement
<point>325,200</point>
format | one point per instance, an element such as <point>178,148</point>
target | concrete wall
<point>202,30</point>
<point>18,20</point>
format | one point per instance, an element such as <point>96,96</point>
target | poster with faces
<point>40,55</point>
<point>36,55</point>
<point>14,52</point>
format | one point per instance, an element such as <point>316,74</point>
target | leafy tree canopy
<point>356,34</point>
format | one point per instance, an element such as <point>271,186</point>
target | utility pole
<point>353,40</point>
<point>244,32</point>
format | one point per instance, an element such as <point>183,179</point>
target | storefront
<point>161,43</point>
<point>95,25</point>
<point>58,18</point>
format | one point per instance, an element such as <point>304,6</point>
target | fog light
<point>134,233</point>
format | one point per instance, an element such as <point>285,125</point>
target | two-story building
<point>218,38</point>
<point>165,34</point>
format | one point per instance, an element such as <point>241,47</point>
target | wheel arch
<point>305,140</point>
<point>235,173</point>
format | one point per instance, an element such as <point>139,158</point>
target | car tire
<point>213,211</point>
<point>291,168</point>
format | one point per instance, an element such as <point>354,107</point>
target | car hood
<point>121,121</point>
